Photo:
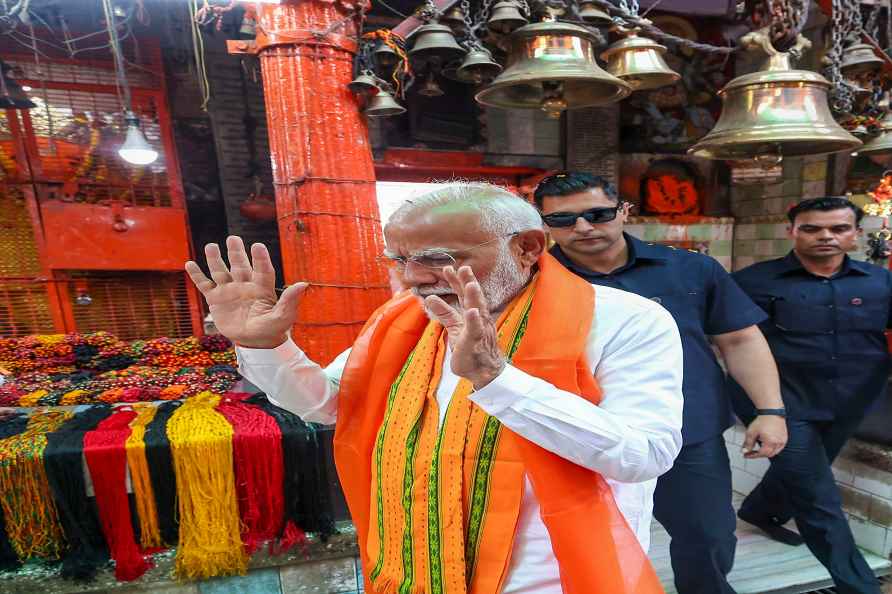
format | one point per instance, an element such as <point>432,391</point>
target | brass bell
<point>430,88</point>
<point>478,67</point>
<point>882,142</point>
<point>776,112</point>
<point>384,56</point>
<point>639,61</point>
<point>595,13</point>
<point>364,84</point>
<point>454,18</point>
<point>506,17</point>
<point>552,66</point>
<point>859,58</point>
<point>383,104</point>
<point>434,41</point>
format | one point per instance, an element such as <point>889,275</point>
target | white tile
<point>736,457</point>
<point>742,481</point>
<point>877,482</point>
<point>744,231</point>
<point>757,466</point>
<point>868,535</point>
<point>842,471</point>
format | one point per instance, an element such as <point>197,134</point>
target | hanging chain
<point>846,20</point>
<point>872,25</point>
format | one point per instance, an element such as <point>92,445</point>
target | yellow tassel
<point>32,521</point>
<point>150,534</point>
<point>201,445</point>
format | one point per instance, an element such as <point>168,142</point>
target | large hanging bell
<point>434,42</point>
<point>384,56</point>
<point>859,58</point>
<point>454,18</point>
<point>882,142</point>
<point>506,17</point>
<point>774,113</point>
<point>595,13</point>
<point>383,104</point>
<point>478,67</point>
<point>364,84</point>
<point>639,61</point>
<point>551,66</point>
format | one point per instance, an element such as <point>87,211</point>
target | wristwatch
<point>777,412</point>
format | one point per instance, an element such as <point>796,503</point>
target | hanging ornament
<point>551,66</point>
<point>775,112</point>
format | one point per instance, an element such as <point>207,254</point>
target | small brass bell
<point>364,84</point>
<point>859,58</point>
<point>430,88</point>
<point>478,67</point>
<point>552,66</point>
<point>506,17</point>
<point>776,112</point>
<point>882,142</point>
<point>639,61</point>
<point>434,41</point>
<point>384,56</point>
<point>454,18</point>
<point>382,105</point>
<point>595,13</point>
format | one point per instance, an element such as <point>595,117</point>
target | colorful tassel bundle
<point>201,444</point>
<point>149,531</point>
<point>32,523</point>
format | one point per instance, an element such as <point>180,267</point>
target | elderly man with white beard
<point>500,424</point>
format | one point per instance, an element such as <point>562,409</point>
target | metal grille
<point>18,249</point>
<point>78,134</point>
<point>24,309</point>
<point>82,72</point>
<point>131,305</point>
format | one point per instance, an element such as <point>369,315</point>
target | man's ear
<point>530,245</point>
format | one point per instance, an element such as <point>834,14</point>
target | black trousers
<point>800,484</point>
<point>693,503</point>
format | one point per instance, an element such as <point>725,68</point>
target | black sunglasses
<point>592,216</point>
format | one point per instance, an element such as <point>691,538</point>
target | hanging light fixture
<point>776,112</point>
<point>136,149</point>
<point>551,66</point>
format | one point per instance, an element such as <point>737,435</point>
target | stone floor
<point>761,565</point>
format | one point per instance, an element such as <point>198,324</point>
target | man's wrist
<point>774,412</point>
<point>483,379</point>
<point>264,344</point>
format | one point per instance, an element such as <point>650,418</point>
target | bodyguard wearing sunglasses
<point>692,501</point>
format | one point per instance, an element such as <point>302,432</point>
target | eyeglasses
<point>436,259</point>
<point>592,216</point>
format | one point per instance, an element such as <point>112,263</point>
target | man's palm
<point>242,300</point>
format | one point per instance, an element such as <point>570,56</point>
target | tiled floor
<point>762,566</point>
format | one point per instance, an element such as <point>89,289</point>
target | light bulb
<point>136,149</point>
<point>26,88</point>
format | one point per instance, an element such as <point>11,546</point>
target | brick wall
<point>593,141</point>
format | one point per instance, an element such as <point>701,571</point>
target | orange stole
<point>596,550</point>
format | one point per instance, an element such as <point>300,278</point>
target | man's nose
<point>582,226</point>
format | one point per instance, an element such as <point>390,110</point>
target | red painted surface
<point>117,237</point>
<point>322,169</point>
<point>413,165</point>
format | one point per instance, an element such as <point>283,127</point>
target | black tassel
<point>63,461</point>
<point>307,496</point>
<point>161,472</point>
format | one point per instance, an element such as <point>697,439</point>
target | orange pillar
<point>329,226</point>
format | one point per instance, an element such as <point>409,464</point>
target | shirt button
<point>831,306</point>
<point>825,281</point>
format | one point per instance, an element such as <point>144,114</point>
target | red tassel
<point>259,470</point>
<point>104,449</point>
<point>292,535</point>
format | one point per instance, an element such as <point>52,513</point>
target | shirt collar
<point>638,251</point>
<point>790,264</point>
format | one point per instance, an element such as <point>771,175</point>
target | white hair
<point>501,212</point>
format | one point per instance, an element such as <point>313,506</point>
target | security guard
<point>693,500</point>
<point>826,328</point>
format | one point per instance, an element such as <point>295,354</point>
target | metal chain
<point>872,26</point>
<point>483,12</point>
<point>846,20</point>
